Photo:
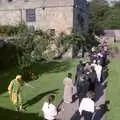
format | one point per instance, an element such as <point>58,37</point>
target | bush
<point>8,30</point>
<point>8,56</point>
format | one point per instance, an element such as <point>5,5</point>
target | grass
<point>113,90</point>
<point>115,47</point>
<point>50,81</point>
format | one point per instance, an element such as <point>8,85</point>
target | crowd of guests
<point>91,73</point>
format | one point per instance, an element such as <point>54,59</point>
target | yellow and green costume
<point>14,90</point>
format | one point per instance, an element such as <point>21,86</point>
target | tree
<point>104,17</point>
<point>113,19</point>
<point>24,45</point>
<point>76,40</point>
<point>98,13</point>
<point>30,45</point>
<point>41,41</point>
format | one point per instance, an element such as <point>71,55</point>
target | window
<point>30,15</point>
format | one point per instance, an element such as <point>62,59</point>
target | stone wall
<point>10,17</point>
<point>60,19</point>
<point>61,15</point>
<point>49,15</point>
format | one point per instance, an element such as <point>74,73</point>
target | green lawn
<point>50,81</point>
<point>113,90</point>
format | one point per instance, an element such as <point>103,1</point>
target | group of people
<point>91,73</point>
<point>88,75</point>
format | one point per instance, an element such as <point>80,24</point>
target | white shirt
<point>93,65</point>
<point>87,104</point>
<point>98,69</point>
<point>100,54</point>
<point>49,111</point>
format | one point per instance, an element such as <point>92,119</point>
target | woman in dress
<point>68,88</point>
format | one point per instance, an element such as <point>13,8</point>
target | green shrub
<point>8,30</point>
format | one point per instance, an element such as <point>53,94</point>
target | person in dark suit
<point>79,70</point>
<point>82,85</point>
<point>92,79</point>
<point>105,53</point>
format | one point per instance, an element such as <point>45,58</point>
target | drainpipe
<point>21,17</point>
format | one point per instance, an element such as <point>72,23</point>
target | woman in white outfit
<point>98,69</point>
<point>49,109</point>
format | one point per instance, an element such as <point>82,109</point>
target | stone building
<point>54,15</point>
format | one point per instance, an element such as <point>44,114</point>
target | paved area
<point>100,103</point>
<point>70,111</point>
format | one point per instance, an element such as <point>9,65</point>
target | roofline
<point>12,9</point>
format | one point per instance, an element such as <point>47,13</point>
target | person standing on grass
<point>87,107</point>
<point>14,90</point>
<point>68,88</point>
<point>49,109</point>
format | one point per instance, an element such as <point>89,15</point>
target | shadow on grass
<point>6,114</point>
<point>51,67</point>
<point>5,78</point>
<point>39,68</point>
<point>39,97</point>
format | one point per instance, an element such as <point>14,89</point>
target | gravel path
<point>69,111</point>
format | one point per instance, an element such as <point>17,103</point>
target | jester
<point>14,90</point>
